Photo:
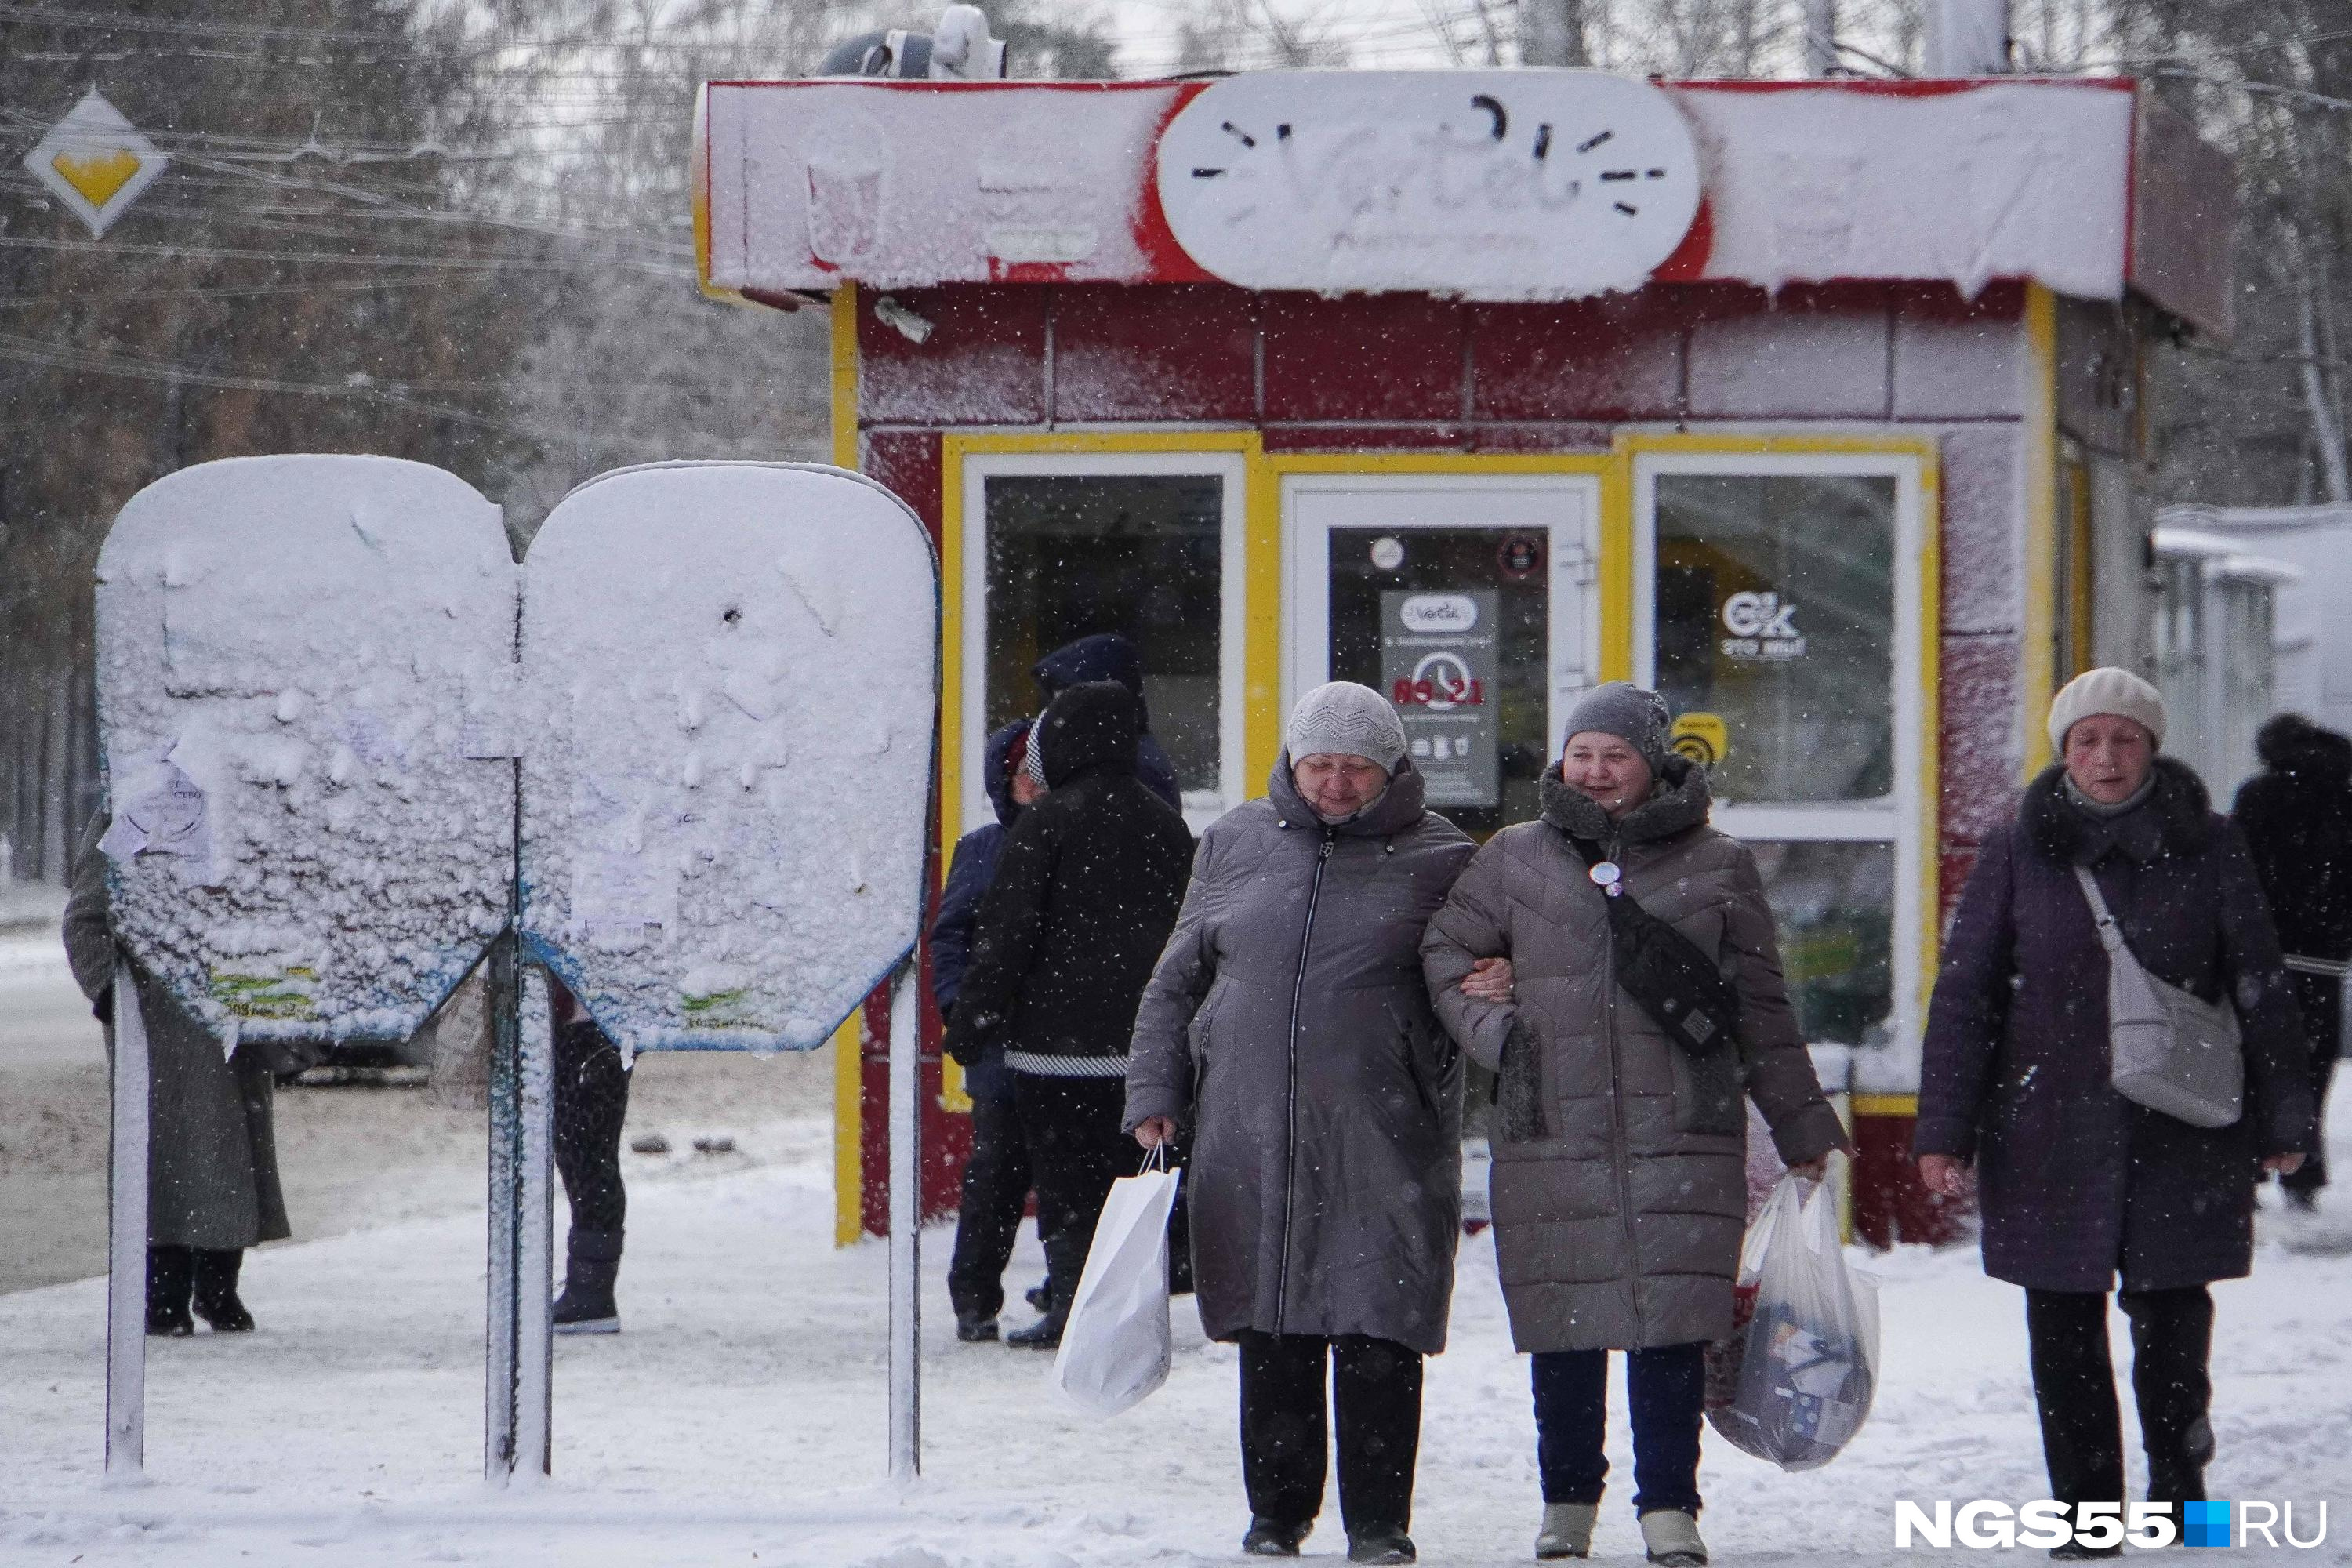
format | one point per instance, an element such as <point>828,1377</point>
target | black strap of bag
<point>1680,987</point>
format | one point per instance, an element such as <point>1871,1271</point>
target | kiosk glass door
<point>1463,601</point>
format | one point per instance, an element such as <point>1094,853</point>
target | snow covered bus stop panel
<point>305,841</point>
<point>731,682</point>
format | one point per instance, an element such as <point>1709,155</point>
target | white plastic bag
<point>1807,1359</point>
<point>1115,1347</point>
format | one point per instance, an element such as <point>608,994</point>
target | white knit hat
<point>2106,690</point>
<point>1343,717</point>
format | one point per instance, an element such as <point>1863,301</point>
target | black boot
<point>1046,1333</point>
<point>591,1262</point>
<point>215,1289</point>
<point>169,1269</point>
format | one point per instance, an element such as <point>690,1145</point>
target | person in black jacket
<point>1106,656</point>
<point>996,1187</point>
<point>2296,816</point>
<point>1085,892</point>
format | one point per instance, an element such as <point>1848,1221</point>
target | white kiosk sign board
<point>313,687</point>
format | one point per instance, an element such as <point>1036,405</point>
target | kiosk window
<point>1070,555</point>
<point>1775,613</point>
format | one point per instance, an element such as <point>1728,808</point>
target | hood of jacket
<point>999,764</point>
<point>1399,807</point>
<point>2174,819</point>
<point>1091,728</point>
<point>1679,800</point>
<point>1106,655</point>
<point>2293,745</point>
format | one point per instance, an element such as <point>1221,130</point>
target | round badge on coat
<point>1605,874</point>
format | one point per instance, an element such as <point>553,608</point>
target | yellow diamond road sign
<point>95,161</point>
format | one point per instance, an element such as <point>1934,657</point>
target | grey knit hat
<point>1343,717</point>
<point>1634,715</point>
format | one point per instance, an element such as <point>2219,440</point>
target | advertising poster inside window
<point>1438,666</point>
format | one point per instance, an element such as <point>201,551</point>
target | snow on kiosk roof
<point>1502,186</point>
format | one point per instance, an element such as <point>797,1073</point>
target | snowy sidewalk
<point>741,1417</point>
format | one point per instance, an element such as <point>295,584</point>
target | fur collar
<point>1678,802</point>
<point>2175,819</point>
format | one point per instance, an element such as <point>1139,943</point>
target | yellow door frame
<point>1927,451</point>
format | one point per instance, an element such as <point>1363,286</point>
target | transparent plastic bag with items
<point>1795,1382</point>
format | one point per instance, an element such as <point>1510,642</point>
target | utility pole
<point>1967,37</point>
<point>1820,37</point>
<point>1551,33</point>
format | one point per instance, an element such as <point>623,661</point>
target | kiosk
<point>1818,404</point>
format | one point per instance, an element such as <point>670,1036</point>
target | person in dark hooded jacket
<point>1085,892</point>
<point>996,1187</point>
<point>1106,656</point>
<point>2296,816</point>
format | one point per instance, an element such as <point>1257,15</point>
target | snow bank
<point>300,844</point>
<point>731,693</point>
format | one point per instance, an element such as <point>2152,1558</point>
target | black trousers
<point>995,1192</point>
<point>591,1100</point>
<point>2075,1387</point>
<point>2322,1000</point>
<point>1375,1393</point>
<point>1667,1386</point>
<point>1076,1152</point>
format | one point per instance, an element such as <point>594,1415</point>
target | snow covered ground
<point>740,1418</point>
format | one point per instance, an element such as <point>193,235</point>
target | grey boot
<point>1672,1537</point>
<point>1566,1531</point>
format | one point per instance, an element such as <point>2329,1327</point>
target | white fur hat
<point>1343,717</point>
<point>2106,690</point>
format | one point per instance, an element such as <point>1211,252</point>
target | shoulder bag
<point>2174,1051</point>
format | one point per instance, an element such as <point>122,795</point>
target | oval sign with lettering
<point>1520,184</point>
<point>1439,613</point>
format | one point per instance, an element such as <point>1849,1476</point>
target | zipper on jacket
<point>1621,1152</point>
<point>1290,1092</point>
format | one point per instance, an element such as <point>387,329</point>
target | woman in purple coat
<point>2076,1183</point>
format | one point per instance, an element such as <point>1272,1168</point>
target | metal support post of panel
<point>498,1347</point>
<point>535,1230</point>
<point>905,1225</point>
<point>516,1371</point>
<point>126,1282</point>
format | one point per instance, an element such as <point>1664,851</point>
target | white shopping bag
<point>1807,1360</point>
<point>1114,1346</point>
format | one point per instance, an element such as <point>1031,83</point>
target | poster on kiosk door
<point>1437,665</point>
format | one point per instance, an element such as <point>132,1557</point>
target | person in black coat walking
<point>2296,816</point>
<point>2075,1182</point>
<point>995,1188</point>
<point>1085,892</point>
<point>1106,656</point>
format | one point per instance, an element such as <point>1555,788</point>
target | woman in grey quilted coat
<point>1619,1184</point>
<point>1288,1023</point>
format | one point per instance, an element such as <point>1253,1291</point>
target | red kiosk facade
<point>1819,405</point>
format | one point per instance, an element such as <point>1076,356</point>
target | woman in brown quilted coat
<point>1618,1187</point>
